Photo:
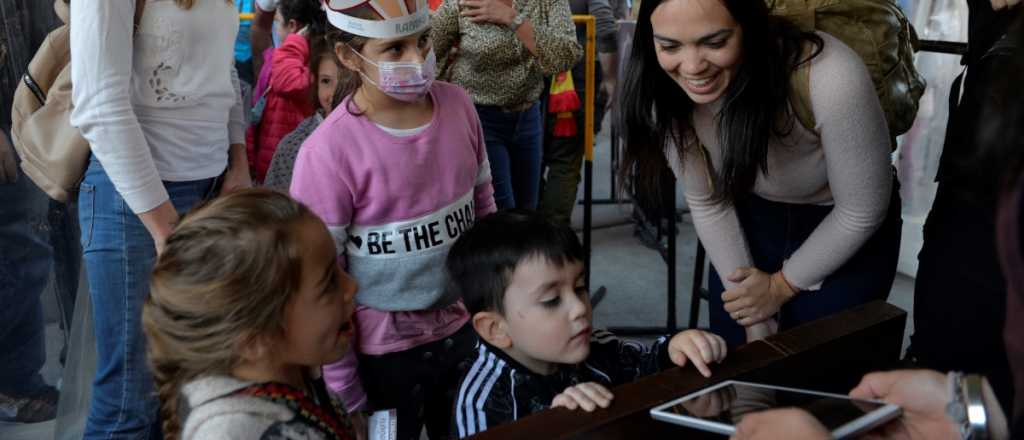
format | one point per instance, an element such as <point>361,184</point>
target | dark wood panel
<point>828,354</point>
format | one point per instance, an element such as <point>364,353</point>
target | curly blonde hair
<point>224,277</point>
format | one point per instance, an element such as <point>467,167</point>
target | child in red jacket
<point>287,100</point>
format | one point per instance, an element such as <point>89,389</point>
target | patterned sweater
<point>394,206</point>
<point>223,408</point>
<point>497,389</point>
<point>492,63</point>
<point>279,175</point>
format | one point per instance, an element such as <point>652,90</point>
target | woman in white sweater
<point>160,107</point>
<point>798,223</point>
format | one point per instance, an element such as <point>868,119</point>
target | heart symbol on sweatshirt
<point>358,241</point>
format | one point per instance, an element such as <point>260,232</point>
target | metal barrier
<point>590,54</point>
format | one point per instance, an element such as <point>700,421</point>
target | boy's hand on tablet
<point>589,396</point>
<point>789,423</point>
<point>697,347</point>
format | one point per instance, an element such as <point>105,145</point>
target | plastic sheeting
<point>921,147</point>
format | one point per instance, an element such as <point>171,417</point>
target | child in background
<point>236,346</point>
<point>397,171</point>
<point>521,277</point>
<point>327,70</point>
<point>286,100</point>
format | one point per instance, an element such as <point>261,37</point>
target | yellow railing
<point>588,100</point>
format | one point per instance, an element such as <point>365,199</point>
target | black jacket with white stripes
<point>497,389</point>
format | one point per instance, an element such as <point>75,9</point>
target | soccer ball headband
<point>391,18</point>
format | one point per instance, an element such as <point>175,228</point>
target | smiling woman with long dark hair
<point>798,223</point>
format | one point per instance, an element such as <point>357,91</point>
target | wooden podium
<point>830,354</point>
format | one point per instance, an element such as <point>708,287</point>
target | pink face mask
<point>404,81</point>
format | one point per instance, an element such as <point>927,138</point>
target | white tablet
<point>719,408</point>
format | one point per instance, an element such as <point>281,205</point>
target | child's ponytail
<point>169,377</point>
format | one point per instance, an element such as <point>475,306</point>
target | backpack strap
<point>800,91</point>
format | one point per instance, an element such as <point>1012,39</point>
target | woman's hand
<point>789,423</point>
<point>237,176</point>
<point>499,12</point>
<point>160,222</point>
<point>757,297</point>
<point>1003,4</point>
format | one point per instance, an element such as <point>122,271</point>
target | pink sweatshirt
<point>395,205</point>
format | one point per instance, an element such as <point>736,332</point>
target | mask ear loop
<point>361,73</point>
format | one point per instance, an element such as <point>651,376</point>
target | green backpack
<point>881,34</point>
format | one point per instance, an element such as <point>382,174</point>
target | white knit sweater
<point>162,105</point>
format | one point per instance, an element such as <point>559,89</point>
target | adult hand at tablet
<point>588,395</point>
<point>1003,4</point>
<point>922,394</point>
<point>789,423</point>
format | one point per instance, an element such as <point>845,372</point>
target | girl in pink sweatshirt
<point>397,172</point>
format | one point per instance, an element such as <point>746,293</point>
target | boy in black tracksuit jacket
<point>521,278</point>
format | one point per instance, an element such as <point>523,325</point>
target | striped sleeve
<point>486,396</point>
<point>618,361</point>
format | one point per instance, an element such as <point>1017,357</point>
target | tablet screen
<point>729,403</point>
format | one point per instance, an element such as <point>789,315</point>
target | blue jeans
<point>119,255</point>
<point>775,230</point>
<point>514,148</point>
<point>25,261</point>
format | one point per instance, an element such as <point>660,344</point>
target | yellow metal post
<point>588,134</point>
<point>588,103</point>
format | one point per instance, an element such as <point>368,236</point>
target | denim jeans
<point>25,260</point>
<point>775,230</point>
<point>514,143</point>
<point>119,254</point>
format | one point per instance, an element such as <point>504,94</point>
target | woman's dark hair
<point>1000,124</point>
<point>306,13</point>
<point>755,107</point>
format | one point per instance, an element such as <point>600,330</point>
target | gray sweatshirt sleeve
<point>607,27</point>
<point>855,140</point>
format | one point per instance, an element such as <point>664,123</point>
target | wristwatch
<point>516,22</point>
<point>967,407</point>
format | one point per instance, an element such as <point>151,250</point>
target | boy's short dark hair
<point>481,263</point>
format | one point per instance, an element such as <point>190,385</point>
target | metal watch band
<point>516,22</point>
<point>973,400</point>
